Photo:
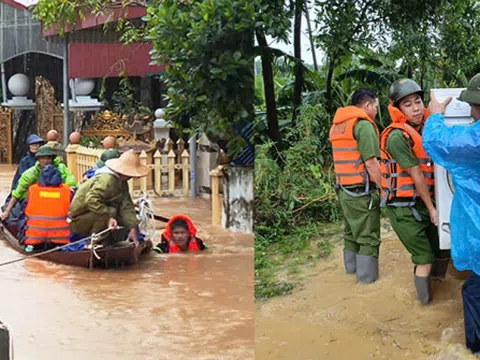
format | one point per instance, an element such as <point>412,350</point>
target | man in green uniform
<point>411,208</point>
<point>355,143</point>
<point>104,200</point>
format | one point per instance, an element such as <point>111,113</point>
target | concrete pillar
<point>238,199</point>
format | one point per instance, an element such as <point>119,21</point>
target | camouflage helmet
<point>472,94</point>
<point>107,155</point>
<point>403,87</point>
<point>45,150</point>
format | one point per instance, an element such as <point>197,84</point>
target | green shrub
<point>292,200</point>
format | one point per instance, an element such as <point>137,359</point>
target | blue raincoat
<point>457,149</point>
<point>26,163</point>
<point>28,160</point>
<point>91,172</point>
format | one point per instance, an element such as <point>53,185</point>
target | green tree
<point>299,71</point>
<point>207,46</point>
<point>273,18</point>
<point>458,42</point>
<point>60,14</point>
<point>342,27</point>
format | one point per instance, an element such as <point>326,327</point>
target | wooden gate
<point>6,146</point>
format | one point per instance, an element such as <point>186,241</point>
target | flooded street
<point>165,307</point>
<point>332,317</point>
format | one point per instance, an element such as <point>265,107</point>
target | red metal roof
<point>98,60</point>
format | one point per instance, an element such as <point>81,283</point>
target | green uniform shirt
<point>104,195</point>
<point>362,223</point>
<point>367,139</point>
<point>401,149</point>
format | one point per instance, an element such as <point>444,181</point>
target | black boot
<point>349,261</point>
<point>439,268</point>
<point>367,268</point>
<point>423,286</point>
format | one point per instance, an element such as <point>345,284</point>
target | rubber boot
<point>424,287</point>
<point>367,268</point>
<point>439,268</point>
<point>350,261</point>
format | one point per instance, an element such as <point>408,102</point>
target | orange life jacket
<point>47,211</point>
<point>192,246</point>
<point>396,183</point>
<point>348,162</point>
<point>192,230</point>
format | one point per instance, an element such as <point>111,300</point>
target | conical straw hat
<point>128,164</point>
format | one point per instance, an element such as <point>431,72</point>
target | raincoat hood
<point>398,116</point>
<point>349,113</point>
<point>168,233</point>
<point>50,176</point>
<point>35,139</point>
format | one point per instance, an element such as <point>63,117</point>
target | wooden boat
<point>110,257</point>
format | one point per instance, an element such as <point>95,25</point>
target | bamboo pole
<point>185,175</point>
<point>180,148</point>
<point>71,151</point>
<point>169,145</point>
<point>130,187</point>
<point>171,172</point>
<point>216,174</point>
<point>157,157</point>
<point>143,180</point>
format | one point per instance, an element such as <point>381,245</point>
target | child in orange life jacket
<point>180,236</point>
<point>46,203</point>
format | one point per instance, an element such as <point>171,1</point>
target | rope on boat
<point>93,240</point>
<point>59,247</point>
<point>146,213</point>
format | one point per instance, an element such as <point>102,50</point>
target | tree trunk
<point>310,36</point>
<point>297,40</point>
<point>422,76</point>
<point>268,86</point>
<point>331,68</point>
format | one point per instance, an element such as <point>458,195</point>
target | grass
<point>278,263</point>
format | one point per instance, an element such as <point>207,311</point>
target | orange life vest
<point>396,183</point>
<point>348,162</point>
<point>192,246</point>
<point>47,211</point>
<point>192,230</point>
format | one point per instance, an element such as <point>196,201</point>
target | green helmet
<point>45,150</point>
<point>107,155</point>
<point>403,87</point>
<point>472,94</point>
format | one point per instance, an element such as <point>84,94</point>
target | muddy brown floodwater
<point>332,317</point>
<point>166,307</point>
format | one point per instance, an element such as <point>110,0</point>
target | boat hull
<point>109,257</point>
